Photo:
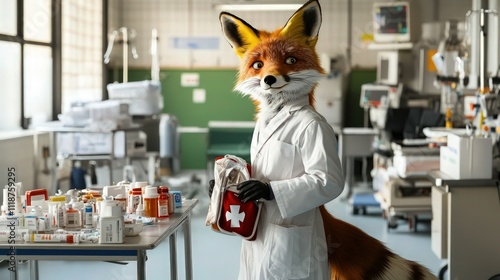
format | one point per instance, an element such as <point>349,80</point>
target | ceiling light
<point>258,7</point>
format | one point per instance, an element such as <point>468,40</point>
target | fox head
<point>280,66</point>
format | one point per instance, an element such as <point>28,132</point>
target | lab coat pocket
<point>279,160</point>
<point>290,252</point>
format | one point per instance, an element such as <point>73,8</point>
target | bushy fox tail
<point>354,255</point>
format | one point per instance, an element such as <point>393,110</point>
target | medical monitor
<point>380,96</point>
<point>392,22</point>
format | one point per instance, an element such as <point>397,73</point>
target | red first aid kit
<point>226,213</point>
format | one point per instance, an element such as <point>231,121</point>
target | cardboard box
<point>467,157</point>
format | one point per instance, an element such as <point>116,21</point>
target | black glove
<point>211,185</point>
<point>253,190</point>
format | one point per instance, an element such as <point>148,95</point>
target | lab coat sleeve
<point>322,179</point>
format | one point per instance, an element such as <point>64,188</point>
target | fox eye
<point>257,65</point>
<point>290,60</point>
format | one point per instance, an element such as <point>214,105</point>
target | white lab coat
<point>297,153</point>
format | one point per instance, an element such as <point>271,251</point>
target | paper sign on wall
<point>195,43</point>
<point>199,95</point>
<point>190,79</point>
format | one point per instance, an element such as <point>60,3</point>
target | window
<point>50,56</point>
<point>26,62</point>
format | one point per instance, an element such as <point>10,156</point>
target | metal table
<point>133,249</point>
<point>354,142</point>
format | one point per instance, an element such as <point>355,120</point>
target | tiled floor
<point>216,256</point>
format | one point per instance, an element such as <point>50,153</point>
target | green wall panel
<point>353,113</point>
<point>223,104</point>
<point>193,150</point>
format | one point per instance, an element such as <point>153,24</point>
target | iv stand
<point>125,41</point>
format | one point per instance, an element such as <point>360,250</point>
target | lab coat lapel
<point>265,132</point>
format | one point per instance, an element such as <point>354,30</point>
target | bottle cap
<point>151,192</point>
<point>164,189</point>
<point>140,184</point>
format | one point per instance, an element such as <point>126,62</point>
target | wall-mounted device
<point>392,22</point>
<point>384,96</point>
<point>389,68</point>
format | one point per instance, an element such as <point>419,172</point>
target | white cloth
<point>297,153</point>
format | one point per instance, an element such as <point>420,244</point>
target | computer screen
<point>391,22</point>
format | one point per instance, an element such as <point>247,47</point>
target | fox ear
<point>240,35</point>
<point>304,24</point>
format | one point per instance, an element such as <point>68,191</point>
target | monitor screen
<point>392,19</point>
<point>373,95</point>
<point>391,22</point>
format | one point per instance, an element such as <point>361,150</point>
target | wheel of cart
<point>409,214</point>
<point>360,201</point>
<point>392,223</point>
<point>442,271</point>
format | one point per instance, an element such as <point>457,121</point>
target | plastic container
<point>171,203</point>
<point>38,194</point>
<point>143,97</point>
<point>72,217</point>
<point>111,223</point>
<point>51,238</point>
<point>89,216</point>
<point>150,201</point>
<point>134,198</point>
<point>177,198</point>
<point>122,202</point>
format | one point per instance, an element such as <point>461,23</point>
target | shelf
<point>89,157</point>
<point>390,46</point>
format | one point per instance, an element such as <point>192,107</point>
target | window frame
<point>56,46</point>
<point>19,38</point>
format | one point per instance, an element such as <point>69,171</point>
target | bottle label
<point>163,211</point>
<point>71,220</point>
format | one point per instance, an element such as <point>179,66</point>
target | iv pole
<point>125,41</point>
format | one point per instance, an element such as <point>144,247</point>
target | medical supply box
<point>467,157</point>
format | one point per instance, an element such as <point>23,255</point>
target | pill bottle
<point>89,216</point>
<point>72,217</point>
<point>135,196</point>
<point>150,201</point>
<point>163,211</point>
<point>122,202</point>
<point>171,203</point>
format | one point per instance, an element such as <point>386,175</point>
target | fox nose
<point>269,80</point>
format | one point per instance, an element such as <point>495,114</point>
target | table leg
<point>349,177</point>
<point>33,269</point>
<point>173,256</point>
<point>141,265</point>
<point>53,161</point>
<point>13,273</point>
<point>36,156</point>
<point>187,248</point>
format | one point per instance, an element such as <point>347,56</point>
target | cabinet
<point>465,226</point>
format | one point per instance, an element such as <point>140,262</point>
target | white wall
<point>197,18</point>
<point>18,151</point>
